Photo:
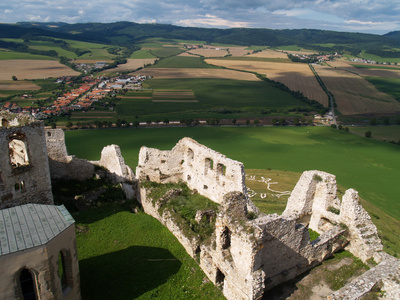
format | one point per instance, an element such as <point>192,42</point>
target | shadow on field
<point>126,274</point>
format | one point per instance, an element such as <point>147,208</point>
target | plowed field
<point>355,95</point>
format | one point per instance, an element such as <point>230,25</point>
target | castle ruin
<point>247,253</point>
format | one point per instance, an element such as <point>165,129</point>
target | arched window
<point>27,283</point>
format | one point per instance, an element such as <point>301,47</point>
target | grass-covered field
<point>385,133</point>
<point>369,166</point>
<point>7,55</point>
<point>240,97</point>
<point>132,256</point>
<point>165,51</point>
<point>378,58</point>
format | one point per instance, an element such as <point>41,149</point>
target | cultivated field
<point>355,95</point>
<point>367,70</point>
<point>174,96</point>
<point>33,69</point>
<point>210,52</point>
<point>187,54</point>
<point>239,51</point>
<point>269,54</point>
<point>296,76</point>
<point>132,64</point>
<point>166,73</point>
<point>10,85</point>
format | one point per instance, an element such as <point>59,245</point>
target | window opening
<point>61,270</point>
<point>190,156</point>
<point>27,285</point>
<point>221,169</point>
<point>219,277</point>
<point>18,153</point>
<point>226,238</point>
<point>208,165</point>
<point>4,123</point>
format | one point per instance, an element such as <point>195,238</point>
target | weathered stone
<point>24,168</point>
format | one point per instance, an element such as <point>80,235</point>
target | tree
<point>373,121</point>
<point>296,121</point>
<point>368,134</point>
<point>256,122</point>
<point>54,125</point>
<point>386,121</point>
<point>234,121</point>
<point>274,121</point>
<point>247,122</point>
<point>166,121</point>
<point>14,78</point>
<point>69,124</point>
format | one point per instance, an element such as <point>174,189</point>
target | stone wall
<point>61,164</point>
<point>209,172</point>
<point>247,256</point>
<point>315,203</point>
<point>24,168</point>
<point>384,277</point>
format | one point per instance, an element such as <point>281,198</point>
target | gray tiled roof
<point>26,226</point>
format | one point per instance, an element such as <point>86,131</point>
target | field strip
<point>177,101</point>
<point>355,95</point>
<point>90,117</point>
<point>134,97</point>
<point>176,73</point>
<point>296,76</point>
<point>33,69</point>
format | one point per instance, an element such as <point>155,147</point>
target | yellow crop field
<point>187,54</point>
<point>10,85</point>
<point>239,51</point>
<point>355,95</point>
<point>33,69</point>
<point>132,64</point>
<point>165,73</point>
<point>269,54</point>
<point>296,76</point>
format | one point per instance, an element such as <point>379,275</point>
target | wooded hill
<point>128,33</point>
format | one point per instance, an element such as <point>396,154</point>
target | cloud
<point>211,21</point>
<point>343,15</point>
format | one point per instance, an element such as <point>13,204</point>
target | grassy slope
<point>369,166</point>
<point>6,55</point>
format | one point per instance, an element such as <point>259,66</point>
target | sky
<point>368,16</point>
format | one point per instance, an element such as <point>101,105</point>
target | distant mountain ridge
<point>128,33</point>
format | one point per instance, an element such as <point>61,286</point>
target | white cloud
<point>211,21</point>
<point>344,15</point>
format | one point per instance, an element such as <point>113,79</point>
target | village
<point>91,90</point>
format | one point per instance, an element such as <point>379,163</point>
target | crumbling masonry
<point>250,252</point>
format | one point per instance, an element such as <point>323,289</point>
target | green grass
<point>7,55</point>
<point>390,86</point>
<point>165,51</point>
<point>132,256</point>
<point>378,58</point>
<point>240,97</point>
<point>369,166</point>
<point>141,54</point>
<point>252,58</point>
<point>290,48</point>
<point>370,66</point>
<point>183,62</point>
<point>387,133</point>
